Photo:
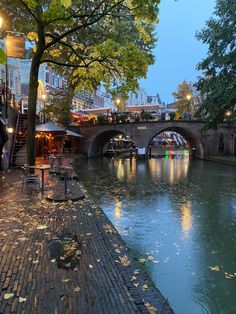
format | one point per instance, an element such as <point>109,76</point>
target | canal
<point>179,215</point>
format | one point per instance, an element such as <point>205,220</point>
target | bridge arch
<point>96,145</point>
<point>194,140</point>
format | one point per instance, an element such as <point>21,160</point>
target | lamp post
<point>6,77</point>
<point>44,96</point>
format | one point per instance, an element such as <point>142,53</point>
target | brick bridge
<point>206,143</point>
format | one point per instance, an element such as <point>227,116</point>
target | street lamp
<point>44,107</point>
<point>6,85</point>
<point>228,113</point>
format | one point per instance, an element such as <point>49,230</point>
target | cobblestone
<point>62,258</point>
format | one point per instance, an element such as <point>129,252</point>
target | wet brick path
<point>66,258</point>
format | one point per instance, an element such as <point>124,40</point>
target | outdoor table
<point>65,170</point>
<point>41,167</point>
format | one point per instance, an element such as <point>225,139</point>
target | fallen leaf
<point>145,287</point>
<point>41,227</point>
<point>22,299</point>
<point>77,289</point>
<point>151,309</point>
<point>8,296</point>
<point>150,258</point>
<point>136,284</point>
<point>133,278</point>
<point>124,260</point>
<point>142,261</point>
<point>215,268</point>
<point>136,272</point>
<point>65,280</point>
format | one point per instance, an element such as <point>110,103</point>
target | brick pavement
<point>66,258</point>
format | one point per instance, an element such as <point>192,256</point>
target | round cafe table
<point>41,167</point>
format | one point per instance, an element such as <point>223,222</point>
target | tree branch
<point>28,9</point>
<point>86,24</point>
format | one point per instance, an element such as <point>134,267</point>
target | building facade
<point>10,76</point>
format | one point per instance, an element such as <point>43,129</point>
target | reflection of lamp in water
<point>117,211</point>
<point>186,217</point>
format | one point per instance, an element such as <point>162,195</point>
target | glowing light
<point>188,97</point>
<point>1,21</point>
<point>10,130</point>
<point>228,113</point>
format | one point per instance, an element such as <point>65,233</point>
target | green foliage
<point>172,115</point>
<point>146,116</point>
<point>218,81</point>
<point>123,118</point>
<point>59,108</point>
<point>183,97</point>
<point>2,56</point>
<point>101,119</point>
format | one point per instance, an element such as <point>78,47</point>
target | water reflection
<point>182,213</point>
<point>186,217</point>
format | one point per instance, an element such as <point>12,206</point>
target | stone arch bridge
<point>206,143</point>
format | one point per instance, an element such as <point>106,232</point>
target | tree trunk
<point>32,102</point>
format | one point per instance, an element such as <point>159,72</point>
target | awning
<point>49,127</point>
<point>70,133</point>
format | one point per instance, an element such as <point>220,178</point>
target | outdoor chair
<point>30,179</point>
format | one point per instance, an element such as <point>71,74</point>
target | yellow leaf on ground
<point>145,287</point>
<point>77,289</point>
<point>41,227</point>
<point>151,309</point>
<point>8,296</point>
<point>22,299</point>
<point>124,260</point>
<point>215,268</point>
<point>142,260</point>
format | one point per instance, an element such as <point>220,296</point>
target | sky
<point>177,51</point>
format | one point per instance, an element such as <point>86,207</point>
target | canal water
<point>181,216</point>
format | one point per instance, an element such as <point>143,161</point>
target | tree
<point>217,84</point>
<point>183,98</point>
<point>2,56</point>
<point>102,40</point>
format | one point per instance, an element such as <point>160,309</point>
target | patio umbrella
<point>70,133</point>
<point>50,127</point>
<point>50,137</point>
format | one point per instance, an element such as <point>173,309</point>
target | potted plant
<point>101,119</point>
<point>172,115</point>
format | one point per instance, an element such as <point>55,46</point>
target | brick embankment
<point>66,258</point>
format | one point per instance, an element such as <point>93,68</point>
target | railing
<point>14,137</point>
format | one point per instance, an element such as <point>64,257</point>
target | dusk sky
<point>177,51</point>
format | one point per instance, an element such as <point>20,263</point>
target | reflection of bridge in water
<point>204,143</point>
